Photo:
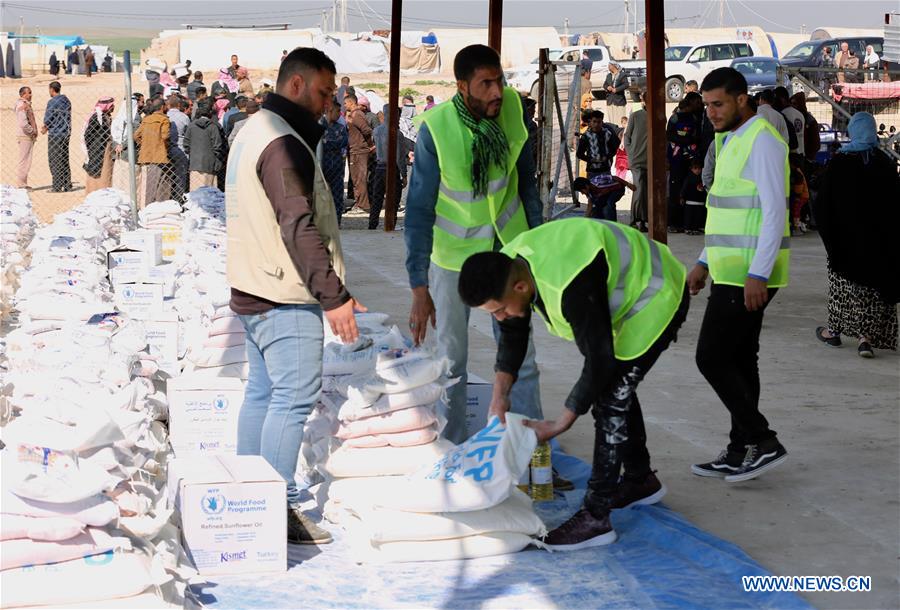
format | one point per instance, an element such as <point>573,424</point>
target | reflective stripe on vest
<point>494,187</point>
<point>740,241</point>
<point>645,282</point>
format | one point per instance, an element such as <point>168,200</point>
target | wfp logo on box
<point>220,403</point>
<point>128,293</point>
<point>213,504</point>
<point>119,260</point>
<point>237,556</point>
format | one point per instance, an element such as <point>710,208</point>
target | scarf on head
<point>104,105</point>
<point>225,79</point>
<point>489,145</point>
<point>863,134</point>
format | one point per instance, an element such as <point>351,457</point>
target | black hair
<point>303,59</point>
<point>22,90</point>
<point>204,107</point>
<point>484,277</point>
<point>691,96</point>
<point>241,102</point>
<point>56,86</point>
<point>154,105</point>
<point>767,96</point>
<point>198,75</point>
<point>352,96</point>
<point>580,183</point>
<point>430,98</point>
<point>473,57</point>
<point>691,82</point>
<point>596,114</point>
<point>200,90</point>
<point>782,93</point>
<point>696,162</point>
<point>730,79</point>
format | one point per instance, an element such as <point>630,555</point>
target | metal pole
<point>545,131</point>
<point>656,121</point>
<point>129,133</point>
<point>495,24</point>
<point>393,118</point>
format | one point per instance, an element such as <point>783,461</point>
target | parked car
<point>761,73</point>
<point>807,55</point>
<point>688,62</point>
<point>525,78</point>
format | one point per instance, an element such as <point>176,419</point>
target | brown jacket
<point>360,133</point>
<point>153,138</point>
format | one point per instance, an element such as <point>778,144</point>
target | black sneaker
<point>630,493</point>
<point>728,462</point>
<point>759,459</point>
<point>561,484</point>
<point>301,529</point>
<point>830,339</point>
<point>865,350</point>
<point>581,531</point>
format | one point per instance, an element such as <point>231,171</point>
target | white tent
<point>518,45</point>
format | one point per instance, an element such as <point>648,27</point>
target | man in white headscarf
<point>120,139</point>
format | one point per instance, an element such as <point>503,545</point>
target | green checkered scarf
<point>489,145</point>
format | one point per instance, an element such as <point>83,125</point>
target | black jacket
<point>619,84</point>
<point>205,146</point>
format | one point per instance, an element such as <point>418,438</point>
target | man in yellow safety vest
<point>472,189</point>
<point>747,253</point>
<point>621,298</point>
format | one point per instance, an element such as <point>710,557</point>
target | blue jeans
<point>284,353</point>
<point>452,317</point>
<point>604,206</point>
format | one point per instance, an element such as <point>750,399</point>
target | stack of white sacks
<point>375,438</point>
<point>66,275</point>
<point>164,216</point>
<point>17,224</point>
<point>214,336</point>
<point>85,451</point>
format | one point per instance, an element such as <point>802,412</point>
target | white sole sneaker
<point>702,472</point>
<point>651,499</point>
<point>746,476</point>
<point>601,540</point>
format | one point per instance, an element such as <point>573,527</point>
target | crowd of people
<point>183,130</point>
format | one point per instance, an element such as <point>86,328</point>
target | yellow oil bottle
<point>541,474</point>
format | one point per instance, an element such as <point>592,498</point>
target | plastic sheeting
<point>660,561</point>
<point>356,56</point>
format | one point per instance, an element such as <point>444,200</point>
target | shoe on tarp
<point>302,530</point>
<point>560,483</point>
<point>581,531</point>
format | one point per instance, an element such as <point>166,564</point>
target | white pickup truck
<point>525,78</point>
<point>688,62</point>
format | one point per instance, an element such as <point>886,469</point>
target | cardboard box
<point>157,274</point>
<point>139,300</point>
<point>203,414</point>
<point>233,517</point>
<point>478,400</point>
<point>172,243</point>
<point>148,241</point>
<point>162,339</point>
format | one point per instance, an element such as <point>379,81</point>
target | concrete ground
<point>831,509</point>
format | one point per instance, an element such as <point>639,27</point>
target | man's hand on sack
<point>343,322</point>
<point>547,429</point>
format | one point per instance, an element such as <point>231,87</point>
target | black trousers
<point>620,437</point>
<point>678,171</point>
<point>58,159</point>
<point>694,217</point>
<point>727,356</point>
<point>378,184</point>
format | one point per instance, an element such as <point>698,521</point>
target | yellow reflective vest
<point>734,212</point>
<point>645,283</point>
<point>466,224</point>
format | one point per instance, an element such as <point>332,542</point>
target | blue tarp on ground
<point>659,561</point>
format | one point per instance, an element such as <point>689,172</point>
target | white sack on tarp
<point>478,474</point>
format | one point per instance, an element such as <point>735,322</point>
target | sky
<point>73,16</point>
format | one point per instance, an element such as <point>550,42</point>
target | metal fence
<point>82,135</point>
<point>559,91</point>
<point>834,95</point>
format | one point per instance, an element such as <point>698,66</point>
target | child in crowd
<point>693,198</point>
<point>602,191</point>
<point>799,196</point>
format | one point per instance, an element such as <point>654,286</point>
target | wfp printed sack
<point>398,370</point>
<point>360,356</point>
<point>25,552</point>
<point>478,474</point>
